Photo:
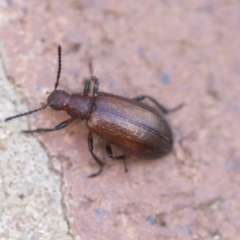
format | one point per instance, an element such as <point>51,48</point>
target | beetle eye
<point>53,104</point>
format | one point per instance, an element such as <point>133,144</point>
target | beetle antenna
<point>59,66</point>
<point>26,113</point>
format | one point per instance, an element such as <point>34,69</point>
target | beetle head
<point>58,100</point>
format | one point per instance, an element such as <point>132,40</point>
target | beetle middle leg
<point>58,127</point>
<point>93,78</point>
<point>100,163</point>
<point>110,155</point>
<point>160,106</point>
<point>86,88</point>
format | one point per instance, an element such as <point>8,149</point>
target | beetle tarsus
<point>100,163</point>
<point>110,155</point>
<point>160,106</point>
<point>58,127</point>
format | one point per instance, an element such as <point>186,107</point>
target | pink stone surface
<point>175,51</point>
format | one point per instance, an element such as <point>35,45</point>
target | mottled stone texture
<point>175,51</point>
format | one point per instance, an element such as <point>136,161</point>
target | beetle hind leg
<point>110,155</point>
<point>160,106</point>
<point>100,163</point>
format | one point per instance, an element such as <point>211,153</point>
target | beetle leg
<point>59,126</point>
<point>100,163</point>
<point>86,88</point>
<point>96,83</point>
<point>109,153</point>
<point>93,78</point>
<point>163,109</point>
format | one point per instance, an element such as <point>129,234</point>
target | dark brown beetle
<point>136,128</point>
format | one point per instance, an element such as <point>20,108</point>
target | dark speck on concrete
<point>151,220</point>
<point>14,102</point>
<point>111,84</point>
<point>25,10</point>
<point>9,2</point>
<point>233,164</point>
<point>21,196</point>
<point>189,231</point>
<point>126,212</point>
<point>141,52</point>
<point>99,212</point>
<point>38,88</point>
<point>165,78</point>
<point>236,109</point>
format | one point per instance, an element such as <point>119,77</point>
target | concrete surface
<point>175,51</point>
<point>31,200</point>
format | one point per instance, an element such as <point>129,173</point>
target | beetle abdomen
<point>134,127</point>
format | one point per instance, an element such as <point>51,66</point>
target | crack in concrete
<point>20,95</point>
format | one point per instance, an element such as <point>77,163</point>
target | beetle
<point>135,127</point>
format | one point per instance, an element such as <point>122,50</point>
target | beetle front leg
<point>109,153</point>
<point>58,127</point>
<point>160,106</point>
<point>100,163</point>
